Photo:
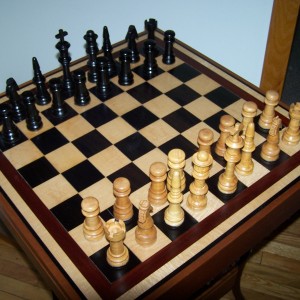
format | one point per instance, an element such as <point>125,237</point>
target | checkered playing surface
<point>83,153</point>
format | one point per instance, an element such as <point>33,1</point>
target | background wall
<point>231,32</point>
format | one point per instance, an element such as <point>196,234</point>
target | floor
<point>272,272</point>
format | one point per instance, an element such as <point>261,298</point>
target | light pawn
<point>92,225</point>
<point>157,194</point>
<point>197,198</point>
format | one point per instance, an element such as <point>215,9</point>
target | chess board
<point>48,172</point>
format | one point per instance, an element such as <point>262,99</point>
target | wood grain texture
<point>279,43</point>
<point>273,270</point>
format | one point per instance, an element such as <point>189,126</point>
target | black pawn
<point>33,119</point>
<point>58,107</point>
<point>103,83</point>
<point>81,96</point>
<point>107,50</point>
<point>168,56</point>
<point>17,106</point>
<point>150,64</point>
<point>92,51</point>
<point>125,75</point>
<point>10,132</point>
<point>131,43</point>
<point>64,58</point>
<point>42,95</point>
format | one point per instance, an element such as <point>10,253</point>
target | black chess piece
<point>125,75</point>
<point>33,119</point>
<point>107,50</point>
<point>58,107</point>
<point>150,64</point>
<point>103,84</point>
<point>64,58</point>
<point>92,51</point>
<point>42,95</point>
<point>131,43</point>
<point>169,39</point>
<point>17,106</point>
<point>151,26</point>
<point>10,132</point>
<point>81,95</point>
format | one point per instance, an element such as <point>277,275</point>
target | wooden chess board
<point>47,174</point>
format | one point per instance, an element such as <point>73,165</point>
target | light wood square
<point>192,133</point>
<point>202,84</point>
<point>31,134</point>
<point>158,132</point>
<point>139,195</point>
<point>165,82</point>
<point>101,190</point>
<point>144,253</point>
<point>162,106</point>
<point>74,127</point>
<point>122,103</point>
<point>213,203</point>
<point>80,109</point>
<point>109,160</point>
<point>65,157</point>
<point>54,191</point>
<point>116,130</point>
<point>144,162</point>
<point>202,108</point>
<point>165,67</point>
<point>88,247</point>
<point>16,154</point>
<point>258,172</point>
<point>235,109</point>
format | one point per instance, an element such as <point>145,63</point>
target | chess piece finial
<point>291,135</point>
<point>92,225</point>
<point>266,118</point>
<point>123,208</point>
<point>117,254</point>
<point>270,149</point>
<point>226,124</point>
<point>145,233</point>
<point>197,198</point>
<point>205,139</point>
<point>157,194</point>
